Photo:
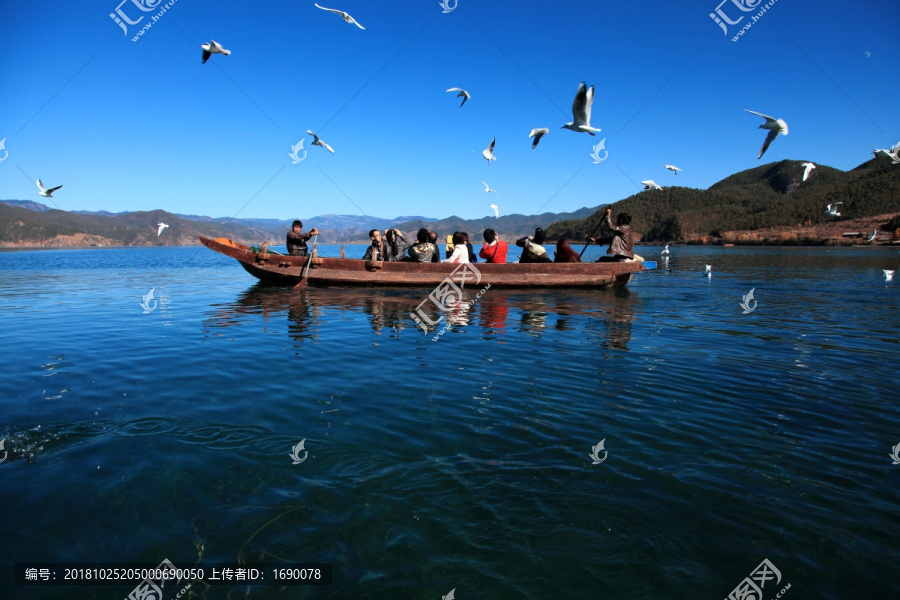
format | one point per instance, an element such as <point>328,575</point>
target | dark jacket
<point>622,241</point>
<point>373,252</point>
<point>296,243</point>
<point>532,253</point>
<point>396,251</point>
<point>472,257</point>
<point>421,252</point>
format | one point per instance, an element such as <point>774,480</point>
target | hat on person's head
<point>297,223</point>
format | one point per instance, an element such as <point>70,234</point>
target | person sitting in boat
<point>296,239</point>
<point>394,245</point>
<point>495,250</point>
<point>460,252</point>
<point>534,252</point>
<point>374,251</point>
<point>472,257</point>
<point>422,250</point>
<point>565,253</point>
<point>433,237</point>
<point>620,248</point>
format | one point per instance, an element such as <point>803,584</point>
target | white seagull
<point>888,275</point>
<point>775,126</point>
<point>673,168</point>
<point>807,170</point>
<point>462,93</point>
<point>708,271</point>
<point>496,210</point>
<point>161,228</point>
<point>213,47</point>
<point>318,142</point>
<point>893,153</point>
<point>537,134</point>
<point>487,188</point>
<point>45,192</point>
<point>871,238</point>
<point>346,17</point>
<point>488,153</point>
<point>665,250</point>
<point>581,111</point>
<point>832,210</point>
<point>649,184</point>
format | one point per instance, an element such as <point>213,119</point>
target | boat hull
<point>277,269</point>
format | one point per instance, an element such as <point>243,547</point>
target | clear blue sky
<point>143,125</point>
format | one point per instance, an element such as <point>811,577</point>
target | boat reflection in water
<point>602,316</point>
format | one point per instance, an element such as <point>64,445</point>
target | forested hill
<point>770,195</point>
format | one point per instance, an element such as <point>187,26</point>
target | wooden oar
<point>596,229</point>
<point>302,281</point>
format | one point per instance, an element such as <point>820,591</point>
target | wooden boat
<point>279,269</point>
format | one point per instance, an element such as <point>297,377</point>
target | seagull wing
<point>337,12</point>
<point>352,20</point>
<point>206,55</point>
<point>766,117</point>
<point>491,147</point>
<point>51,190</point>
<point>455,90</point>
<point>487,188</point>
<point>316,140</point>
<point>40,186</point>
<point>327,147</point>
<point>581,106</point>
<point>773,133</point>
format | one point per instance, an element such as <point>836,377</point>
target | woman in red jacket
<point>494,251</point>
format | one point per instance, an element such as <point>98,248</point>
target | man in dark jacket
<point>533,251</point>
<point>376,250</point>
<point>296,239</point>
<point>620,248</point>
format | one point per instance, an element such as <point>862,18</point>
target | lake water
<point>461,463</point>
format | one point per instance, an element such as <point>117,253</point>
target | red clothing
<point>494,253</point>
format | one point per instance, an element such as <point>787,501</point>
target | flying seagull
<point>888,275</point>
<point>807,170</point>
<point>775,126</point>
<point>673,168</point>
<point>496,210</point>
<point>893,153</point>
<point>487,188</point>
<point>346,17</point>
<point>318,142</point>
<point>213,47</point>
<point>537,134</point>
<point>649,184</point>
<point>581,111</point>
<point>488,153</point>
<point>872,237</point>
<point>45,192</point>
<point>462,93</point>
<point>161,227</point>
<point>832,210</point>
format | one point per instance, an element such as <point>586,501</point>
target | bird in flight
<point>832,210</point>
<point>462,93</point>
<point>345,16</point>
<point>487,188</point>
<point>649,184</point>
<point>809,167</point>
<point>775,126</point>
<point>488,153</point>
<point>45,192</point>
<point>673,168</point>
<point>496,210</point>
<point>318,142</point>
<point>581,111</point>
<point>537,134</point>
<point>213,47</point>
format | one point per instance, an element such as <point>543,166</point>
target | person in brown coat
<point>622,243</point>
<point>296,239</point>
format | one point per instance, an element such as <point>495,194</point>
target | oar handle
<point>309,261</point>
<point>596,229</point>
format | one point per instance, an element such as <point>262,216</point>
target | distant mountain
<point>771,195</point>
<point>29,204</point>
<point>52,228</point>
